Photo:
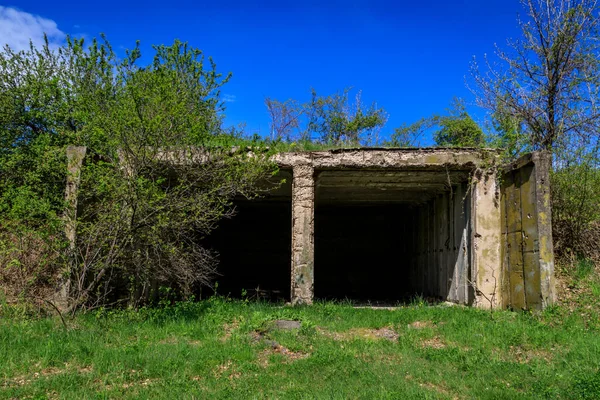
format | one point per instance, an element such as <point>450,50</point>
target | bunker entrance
<point>388,236</point>
<point>254,246</point>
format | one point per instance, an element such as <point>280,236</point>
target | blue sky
<point>411,57</point>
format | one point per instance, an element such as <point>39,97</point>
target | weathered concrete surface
<point>75,157</point>
<point>303,193</point>
<point>453,159</point>
<point>486,225</point>
<point>528,259</point>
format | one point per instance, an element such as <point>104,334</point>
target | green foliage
<point>548,78</point>
<point>542,92</point>
<point>328,120</point>
<point>457,129</point>
<point>508,135</point>
<point>159,172</point>
<point>587,387</point>
<point>576,216</point>
<point>336,121</point>
<point>408,135</point>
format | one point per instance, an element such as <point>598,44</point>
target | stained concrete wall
<point>485,246</point>
<point>440,262</point>
<point>527,254</point>
<point>457,242</point>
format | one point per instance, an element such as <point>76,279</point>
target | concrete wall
<point>527,254</point>
<point>440,262</point>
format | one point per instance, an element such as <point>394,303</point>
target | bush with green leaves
<point>159,173</point>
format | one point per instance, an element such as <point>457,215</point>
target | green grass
<point>209,350</point>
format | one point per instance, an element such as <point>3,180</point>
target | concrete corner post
<point>486,274</point>
<point>303,210</point>
<point>545,262</point>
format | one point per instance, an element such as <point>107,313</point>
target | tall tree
<point>548,79</point>
<point>544,93</point>
<point>332,119</point>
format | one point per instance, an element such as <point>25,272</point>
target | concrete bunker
<point>384,224</point>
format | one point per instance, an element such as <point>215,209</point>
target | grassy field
<point>221,348</point>
<point>231,349</point>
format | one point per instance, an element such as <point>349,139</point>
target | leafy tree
<point>332,119</point>
<point>548,78</point>
<point>408,135</point>
<point>458,129</point>
<point>159,173</point>
<point>455,129</point>
<point>543,93</point>
<point>337,121</point>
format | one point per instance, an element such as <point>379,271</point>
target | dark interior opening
<point>388,236</point>
<point>360,251</point>
<point>254,246</point>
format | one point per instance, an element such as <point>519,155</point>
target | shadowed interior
<point>386,236</point>
<point>255,245</point>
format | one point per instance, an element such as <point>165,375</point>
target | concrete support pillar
<point>303,210</point>
<point>486,239</point>
<point>75,156</point>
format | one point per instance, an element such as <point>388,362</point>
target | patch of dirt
<point>433,387</point>
<point>275,348</point>
<point>23,380</point>
<point>361,333</point>
<point>421,325</point>
<point>289,356</point>
<point>145,382</point>
<point>169,340</point>
<point>229,328</point>
<point>383,358</point>
<point>434,343</point>
<point>524,356</point>
<point>437,388</point>
<point>228,369</point>
<point>85,370</point>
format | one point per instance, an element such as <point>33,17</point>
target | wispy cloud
<point>229,98</point>
<point>17,28</point>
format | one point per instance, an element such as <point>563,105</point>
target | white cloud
<point>17,28</point>
<point>229,98</point>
